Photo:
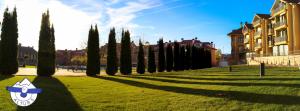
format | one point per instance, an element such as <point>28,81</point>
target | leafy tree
<point>151,60</point>
<point>161,56</point>
<point>169,55</point>
<point>93,60</point>
<point>176,56</point>
<point>141,59</point>
<point>46,52</point>
<point>112,67</point>
<point>9,43</point>
<point>125,59</point>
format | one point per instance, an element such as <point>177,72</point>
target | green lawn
<point>207,89</point>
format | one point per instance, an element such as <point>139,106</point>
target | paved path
<point>60,72</point>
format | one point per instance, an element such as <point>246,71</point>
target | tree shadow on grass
<point>231,95</point>
<point>54,97</point>
<point>215,83</point>
<point>228,79</point>
<point>3,77</point>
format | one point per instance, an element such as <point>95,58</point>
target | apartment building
<point>248,34</point>
<point>285,20</point>
<point>260,36</point>
<point>275,35</point>
<point>237,46</point>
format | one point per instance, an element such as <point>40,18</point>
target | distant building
<point>27,55</point>
<point>237,46</point>
<point>63,57</point>
<point>103,53</point>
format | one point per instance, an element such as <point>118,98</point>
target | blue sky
<point>209,20</point>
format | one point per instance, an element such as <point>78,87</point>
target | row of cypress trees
<point>182,57</point>
<point>125,55</point>
<point>9,45</point>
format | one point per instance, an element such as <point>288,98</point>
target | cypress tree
<point>46,52</point>
<point>141,59</point>
<point>112,67</point>
<point>161,56</point>
<point>204,59</point>
<point>93,60</point>
<point>125,59</point>
<point>188,57</point>
<point>169,56</point>
<point>194,57</point>
<point>53,52</point>
<point>9,43</point>
<point>151,60</point>
<point>176,56</point>
<point>182,58</point>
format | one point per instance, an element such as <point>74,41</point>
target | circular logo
<point>23,93</point>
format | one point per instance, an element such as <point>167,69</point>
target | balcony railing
<point>280,39</point>
<point>258,33</point>
<point>271,43</point>
<point>278,9</point>
<point>246,40</point>
<point>258,45</point>
<point>270,31</point>
<point>280,23</point>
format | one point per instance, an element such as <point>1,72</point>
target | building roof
<point>291,1</point>
<point>264,16</point>
<point>249,26</point>
<point>27,49</point>
<point>237,31</point>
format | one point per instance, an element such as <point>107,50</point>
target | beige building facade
<point>275,38</point>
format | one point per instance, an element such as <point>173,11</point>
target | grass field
<point>207,89</point>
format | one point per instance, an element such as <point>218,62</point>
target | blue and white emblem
<point>23,93</point>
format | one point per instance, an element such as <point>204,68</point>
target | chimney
<point>241,24</point>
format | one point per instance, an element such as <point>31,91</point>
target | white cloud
<point>71,25</point>
<point>123,16</point>
<point>72,18</point>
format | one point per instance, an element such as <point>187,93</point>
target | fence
<point>292,59</point>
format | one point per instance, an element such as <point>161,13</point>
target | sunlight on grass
<point>207,89</point>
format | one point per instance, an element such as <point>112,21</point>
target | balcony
<point>279,24</point>
<point>270,31</point>
<point>278,9</point>
<point>257,45</point>
<point>246,40</point>
<point>257,34</point>
<point>279,40</point>
<point>271,43</point>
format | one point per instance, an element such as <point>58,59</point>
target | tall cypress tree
<point>9,43</point>
<point>46,50</point>
<point>182,58</point>
<point>176,56</point>
<point>141,59</point>
<point>169,56</point>
<point>188,57</point>
<point>151,60</point>
<point>194,57</point>
<point>112,67</point>
<point>53,52</point>
<point>125,59</point>
<point>161,56</point>
<point>93,61</point>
